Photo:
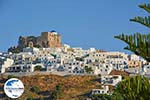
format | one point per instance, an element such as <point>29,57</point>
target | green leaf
<point>146,7</point>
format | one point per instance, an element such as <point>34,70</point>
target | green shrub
<point>38,68</point>
<point>79,59</point>
<point>107,97</point>
<point>29,98</point>
<point>35,89</point>
<point>88,69</point>
<point>11,76</point>
<point>57,92</point>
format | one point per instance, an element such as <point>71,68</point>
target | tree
<point>11,76</point>
<point>134,88</point>
<point>54,55</point>
<point>88,69</point>
<point>115,96</point>
<point>79,59</point>
<point>101,97</point>
<point>38,68</point>
<point>30,98</point>
<point>14,49</point>
<point>35,89</point>
<point>57,92</point>
<point>139,43</point>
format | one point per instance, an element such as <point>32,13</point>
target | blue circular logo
<point>13,88</point>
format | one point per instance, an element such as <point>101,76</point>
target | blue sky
<point>84,23</point>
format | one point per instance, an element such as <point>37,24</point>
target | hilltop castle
<point>50,39</point>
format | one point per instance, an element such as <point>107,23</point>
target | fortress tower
<point>50,39</point>
<point>46,40</point>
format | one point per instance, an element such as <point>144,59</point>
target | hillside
<point>73,87</point>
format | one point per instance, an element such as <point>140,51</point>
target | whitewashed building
<point>22,68</point>
<point>119,60</point>
<point>5,63</point>
<point>110,79</point>
<point>146,69</point>
<point>104,90</point>
<point>101,68</point>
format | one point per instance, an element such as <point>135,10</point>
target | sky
<point>81,23</point>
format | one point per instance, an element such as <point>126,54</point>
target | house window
<point>106,66</point>
<point>18,68</point>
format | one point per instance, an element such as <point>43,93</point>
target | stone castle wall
<point>46,40</point>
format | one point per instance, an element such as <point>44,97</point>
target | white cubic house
<point>110,79</point>
<point>104,90</point>
<point>5,63</point>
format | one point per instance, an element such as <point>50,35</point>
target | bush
<point>38,68</point>
<point>107,97</point>
<point>101,97</point>
<point>11,76</point>
<point>79,59</point>
<point>29,98</point>
<point>57,92</point>
<point>35,89</point>
<point>88,69</point>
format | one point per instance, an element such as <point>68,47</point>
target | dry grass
<point>73,86</point>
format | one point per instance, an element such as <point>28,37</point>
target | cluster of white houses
<point>71,60</point>
<point>75,61</point>
<point>106,81</point>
